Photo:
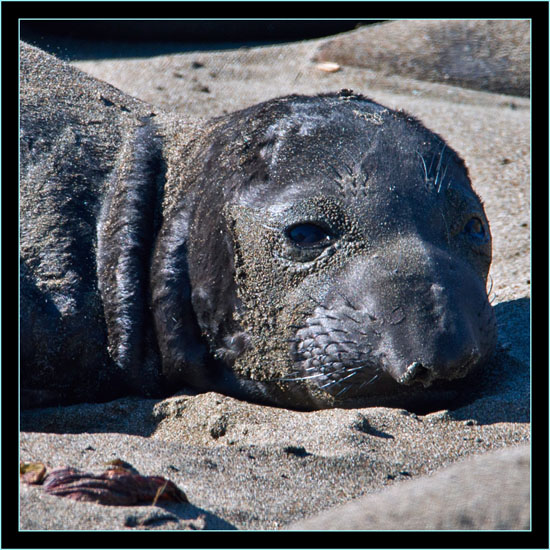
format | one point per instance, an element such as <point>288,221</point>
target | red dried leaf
<point>116,487</point>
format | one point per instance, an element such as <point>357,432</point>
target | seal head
<point>341,258</point>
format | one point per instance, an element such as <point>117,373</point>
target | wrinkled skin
<point>306,252</point>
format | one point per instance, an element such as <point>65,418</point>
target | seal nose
<point>417,372</point>
<point>426,373</point>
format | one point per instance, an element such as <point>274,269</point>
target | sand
<point>250,467</point>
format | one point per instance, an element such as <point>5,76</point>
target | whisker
<point>491,287</point>
<point>343,390</point>
<point>358,368</point>
<point>443,177</point>
<point>348,376</point>
<point>330,383</point>
<point>299,378</point>
<point>424,166</point>
<point>375,377</point>
<point>438,169</point>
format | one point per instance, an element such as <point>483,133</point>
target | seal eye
<point>476,230</point>
<point>308,235</point>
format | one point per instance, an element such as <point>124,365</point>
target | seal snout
<point>426,374</point>
<point>444,341</point>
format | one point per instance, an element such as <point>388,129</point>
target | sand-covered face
<point>360,256</point>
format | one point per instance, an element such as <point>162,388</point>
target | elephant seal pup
<point>306,252</point>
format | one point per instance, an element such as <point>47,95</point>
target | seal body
<point>305,252</point>
<point>86,151</point>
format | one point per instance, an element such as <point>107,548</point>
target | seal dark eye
<point>308,235</point>
<point>476,230</point>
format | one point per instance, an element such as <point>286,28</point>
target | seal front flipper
<point>128,224</point>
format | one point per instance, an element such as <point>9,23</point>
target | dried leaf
<point>116,487</point>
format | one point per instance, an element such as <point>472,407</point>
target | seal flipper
<point>126,232</point>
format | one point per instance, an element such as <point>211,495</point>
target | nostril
<point>416,372</point>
